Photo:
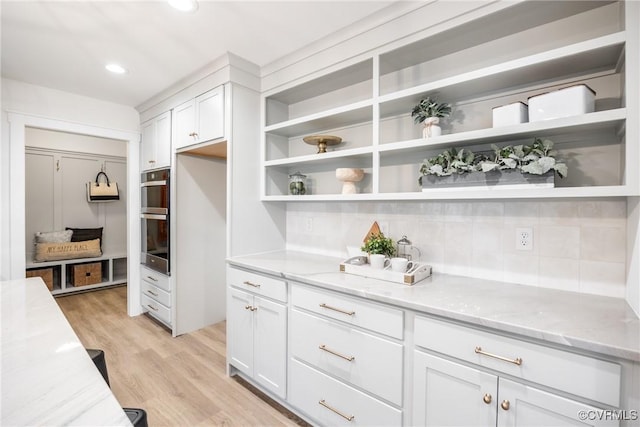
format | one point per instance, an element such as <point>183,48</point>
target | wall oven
<point>154,216</point>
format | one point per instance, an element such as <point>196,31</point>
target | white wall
<point>578,245</point>
<point>34,106</point>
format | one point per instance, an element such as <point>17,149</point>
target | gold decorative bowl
<point>322,141</point>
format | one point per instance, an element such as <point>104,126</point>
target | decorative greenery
<point>537,158</point>
<point>379,244</point>
<point>429,107</point>
<point>449,162</point>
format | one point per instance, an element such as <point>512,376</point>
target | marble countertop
<point>48,377</point>
<point>587,322</point>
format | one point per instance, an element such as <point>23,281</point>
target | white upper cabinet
<point>503,57</point>
<point>156,142</point>
<point>200,119</point>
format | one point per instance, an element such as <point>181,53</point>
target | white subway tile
<point>558,241</point>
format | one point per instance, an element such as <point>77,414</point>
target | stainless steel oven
<point>154,216</point>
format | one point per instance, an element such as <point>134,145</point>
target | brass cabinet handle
<point>335,353</point>
<point>152,161</point>
<point>251,284</point>
<point>193,134</point>
<point>250,307</point>
<point>152,278</point>
<point>328,307</point>
<point>152,293</point>
<point>152,307</point>
<point>486,398</point>
<point>516,361</point>
<point>346,417</point>
<point>505,405</point>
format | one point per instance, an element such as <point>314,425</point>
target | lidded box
<point>570,101</point>
<point>510,114</point>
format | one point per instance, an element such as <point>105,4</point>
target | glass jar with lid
<point>297,185</point>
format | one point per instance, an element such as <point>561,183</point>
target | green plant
<point>429,107</point>
<point>379,244</point>
<point>539,158</point>
<point>503,158</point>
<point>449,162</point>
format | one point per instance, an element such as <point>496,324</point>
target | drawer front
<point>375,317</point>
<point>362,359</point>
<point>584,376</point>
<point>258,284</point>
<point>155,278</point>
<point>330,402</point>
<point>156,309</point>
<point>155,293</point>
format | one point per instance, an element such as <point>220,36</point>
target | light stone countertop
<point>48,378</point>
<point>587,322</point>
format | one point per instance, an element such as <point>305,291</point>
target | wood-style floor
<point>179,381</point>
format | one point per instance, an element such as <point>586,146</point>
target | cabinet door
<point>163,140</point>
<point>184,130</point>
<point>270,340</point>
<point>240,321</point>
<point>521,405</point>
<point>449,394</point>
<point>210,115</point>
<point>148,145</point>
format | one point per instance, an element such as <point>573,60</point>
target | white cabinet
<point>200,119</point>
<point>447,393</point>
<point>475,68</point>
<point>155,294</point>
<point>494,386</point>
<point>346,358</point>
<point>256,329</point>
<point>156,142</point>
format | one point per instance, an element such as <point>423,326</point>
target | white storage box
<point>570,101</point>
<point>510,114</point>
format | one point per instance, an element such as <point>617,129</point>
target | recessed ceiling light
<point>115,68</point>
<point>184,5</point>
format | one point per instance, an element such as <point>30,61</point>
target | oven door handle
<point>157,211</point>
<point>153,216</point>
<point>153,183</point>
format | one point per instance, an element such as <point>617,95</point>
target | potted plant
<point>379,244</point>
<point>540,158</point>
<point>429,112</point>
<point>449,162</point>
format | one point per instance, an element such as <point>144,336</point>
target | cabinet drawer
<point>156,309</point>
<point>155,278</point>
<point>258,284</point>
<point>378,318</point>
<point>156,293</point>
<point>310,389</point>
<point>584,376</point>
<point>362,359</point>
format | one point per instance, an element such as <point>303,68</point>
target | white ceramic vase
<point>431,128</point>
<point>349,177</point>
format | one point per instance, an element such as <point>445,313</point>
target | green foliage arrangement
<point>379,244</point>
<point>537,158</point>
<point>429,107</point>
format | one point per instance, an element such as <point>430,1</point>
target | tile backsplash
<point>577,245</point>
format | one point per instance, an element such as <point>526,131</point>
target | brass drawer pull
<point>251,284</point>
<point>152,307</point>
<point>346,417</point>
<point>505,405</point>
<point>486,398</point>
<point>335,353</point>
<point>348,313</point>
<point>516,361</point>
<point>250,307</point>
<point>152,293</point>
<point>152,278</point>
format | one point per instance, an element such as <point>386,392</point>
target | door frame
<point>17,130</point>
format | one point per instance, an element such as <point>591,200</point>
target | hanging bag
<point>98,191</point>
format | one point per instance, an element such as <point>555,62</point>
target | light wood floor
<point>179,381</point>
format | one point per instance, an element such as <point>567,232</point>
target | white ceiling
<point>65,44</point>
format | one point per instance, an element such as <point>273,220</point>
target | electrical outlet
<point>308,226</point>
<point>524,239</point>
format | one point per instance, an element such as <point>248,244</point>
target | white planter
<point>570,101</point>
<point>431,128</point>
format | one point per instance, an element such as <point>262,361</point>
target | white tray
<point>418,272</point>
